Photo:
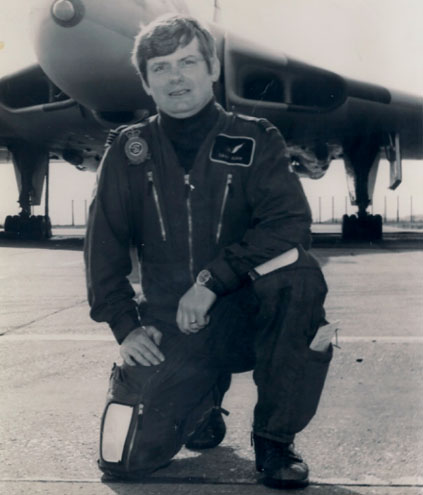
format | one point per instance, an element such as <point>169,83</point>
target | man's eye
<point>188,62</point>
<point>158,68</point>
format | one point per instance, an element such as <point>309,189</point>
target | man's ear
<point>145,86</point>
<point>215,68</point>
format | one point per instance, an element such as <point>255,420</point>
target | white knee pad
<point>118,429</point>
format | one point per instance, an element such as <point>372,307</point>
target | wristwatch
<point>204,278</point>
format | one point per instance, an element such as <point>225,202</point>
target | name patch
<point>233,150</point>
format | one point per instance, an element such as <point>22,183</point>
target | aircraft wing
<point>312,107</point>
<point>36,112</point>
<point>315,108</point>
<point>86,85</point>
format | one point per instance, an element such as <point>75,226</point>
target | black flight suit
<point>239,206</point>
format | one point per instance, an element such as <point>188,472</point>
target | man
<point>221,226</point>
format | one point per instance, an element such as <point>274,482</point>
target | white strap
<point>284,259</point>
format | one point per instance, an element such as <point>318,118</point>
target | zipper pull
<point>150,182</point>
<point>227,192</point>
<point>230,185</point>
<point>187,185</point>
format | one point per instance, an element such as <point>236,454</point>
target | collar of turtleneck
<point>188,134</point>
<point>191,128</point>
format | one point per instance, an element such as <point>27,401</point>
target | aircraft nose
<point>67,13</point>
<point>85,45</point>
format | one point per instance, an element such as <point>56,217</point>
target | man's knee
<point>146,419</point>
<point>119,426</point>
<point>127,447</point>
<point>136,440</point>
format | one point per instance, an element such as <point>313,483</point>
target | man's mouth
<point>179,92</point>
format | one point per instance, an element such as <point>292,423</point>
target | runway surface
<point>367,437</point>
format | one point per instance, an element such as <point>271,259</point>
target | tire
<point>48,229</point>
<point>346,228</point>
<point>378,227</point>
<point>15,224</point>
<point>8,223</point>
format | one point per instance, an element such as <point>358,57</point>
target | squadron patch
<point>136,148</point>
<point>233,150</point>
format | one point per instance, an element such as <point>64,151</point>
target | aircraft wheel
<point>34,227</point>
<point>41,227</point>
<point>31,228</point>
<point>349,227</point>
<point>48,229</point>
<point>370,228</point>
<point>378,222</point>
<point>15,224</point>
<point>8,223</point>
<point>44,227</point>
<point>345,227</point>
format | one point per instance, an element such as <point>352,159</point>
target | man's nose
<point>176,74</point>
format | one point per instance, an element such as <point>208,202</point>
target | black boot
<point>282,466</point>
<point>211,429</point>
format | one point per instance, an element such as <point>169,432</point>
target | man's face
<point>180,83</point>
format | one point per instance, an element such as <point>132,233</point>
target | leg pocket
<point>309,388</point>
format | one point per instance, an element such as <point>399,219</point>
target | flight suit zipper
<point>188,188</point>
<point>152,188</point>
<point>227,191</point>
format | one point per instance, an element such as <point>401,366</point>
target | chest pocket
<point>232,215</point>
<point>146,209</point>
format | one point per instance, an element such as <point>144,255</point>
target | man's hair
<point>165,35</point>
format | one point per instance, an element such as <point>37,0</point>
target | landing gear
<point>31,165</point>
<point>28,226</point>
<point>361,158</point>
<point>363,227</point>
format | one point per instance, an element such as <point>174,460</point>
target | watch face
<point>203,277</point>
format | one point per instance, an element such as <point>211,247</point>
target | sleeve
<point>280,215</point>
<point>107,248</point>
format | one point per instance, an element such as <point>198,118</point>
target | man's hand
<point>193,308</point>
<point>141,347</point>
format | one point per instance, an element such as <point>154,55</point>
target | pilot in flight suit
<point>206,196</point>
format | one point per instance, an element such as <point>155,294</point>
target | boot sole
<point>281,484</point>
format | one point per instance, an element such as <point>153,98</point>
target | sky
<point>378,41</point>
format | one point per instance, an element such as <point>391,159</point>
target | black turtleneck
<point>187,135</point>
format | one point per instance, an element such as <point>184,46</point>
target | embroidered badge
<point>233,150</point>
<point>136,148</point>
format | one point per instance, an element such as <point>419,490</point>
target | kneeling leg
<point>150,411</point>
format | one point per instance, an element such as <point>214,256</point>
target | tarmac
<point>366,438</point>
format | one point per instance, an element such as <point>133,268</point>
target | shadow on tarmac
<point>231,471</point>
<point>134,488</point>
